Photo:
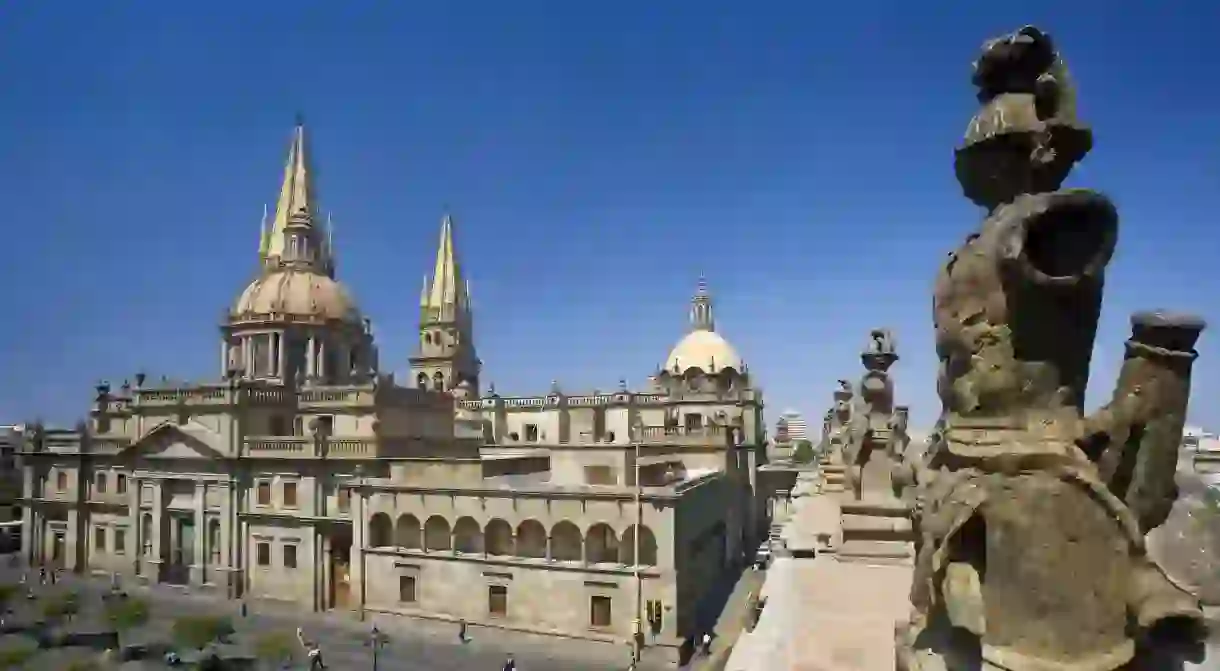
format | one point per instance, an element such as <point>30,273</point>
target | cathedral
<point>303,474</point>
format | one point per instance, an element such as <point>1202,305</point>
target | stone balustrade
<point>297,447</point>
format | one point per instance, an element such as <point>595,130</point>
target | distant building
<point>10,472</point>
<point>797,428</point>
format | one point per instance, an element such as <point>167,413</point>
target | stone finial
<point>555,387</point>
<point>102,389</point>
<point>622,384</point>
<point>140,377</point>
<point>1025,138</point>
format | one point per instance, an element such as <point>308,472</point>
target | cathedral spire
<point>446,297</point>
<point>296,211</point>
<point>701,308</point>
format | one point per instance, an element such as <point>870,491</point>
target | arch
<point>379,530</point>
<point>406,532</point>
<point>648,547</point>
<point>531,539</point>
<point>566,543</point>
<point>438,381</point>
<point>421,381</point>
<point>601,544</point>
<point>436,534</point>
<point>498,537</point>
<point>468,536</point>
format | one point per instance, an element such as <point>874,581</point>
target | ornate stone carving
<point>869,446</point>
<point>1032,517</point>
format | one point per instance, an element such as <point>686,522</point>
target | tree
<point>803,453</point>
<point>126,613</point>
<point>14,656</point>
<point>7,592</point>
<point>199,631</point>
<point>61,606</point>
<point>276,649</point>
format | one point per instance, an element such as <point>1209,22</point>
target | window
<point>146,534</point>
<point>120,541</point>
<point>326,425</point>
<point>290,495</point>
<point>279,425</point>
<point>120,483</point>
<point>264,493</point>
<point>497,600</point>
<point>599,611</point>
<point>263,550</point>
<point>290,556</point>
<point>101,483</point>
<point>99,539</point>
<point>406,589</point>
<point>61,480</point>
<point>214,540</point>
<point>344,499</point>
<point>531,433</point>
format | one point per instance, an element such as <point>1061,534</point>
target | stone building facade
<point>306,475</point>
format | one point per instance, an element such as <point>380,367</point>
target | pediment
<point>171,440</point>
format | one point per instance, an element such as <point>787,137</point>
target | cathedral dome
<point>705,350</point>
<point>298,293</point>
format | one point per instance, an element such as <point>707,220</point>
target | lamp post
<point>637,634</point>
<point>376,641</point>
<point>363,541</point>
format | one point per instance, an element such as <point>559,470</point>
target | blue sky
<point>597,156</point>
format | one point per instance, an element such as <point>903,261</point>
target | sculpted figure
<point>1031,517</point>
<point>871,429</point>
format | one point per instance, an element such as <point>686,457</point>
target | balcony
<point>302,447</point>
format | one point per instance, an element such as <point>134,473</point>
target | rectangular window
<point>326,425</point>
<point>497,600</point>
<point>279,425</point>
<point>290,556</point>
<point>120,483</point>
<point>263,551</point>
<point>99,539</point>
<point>120,541</point>
<point>264,493</point>
<point>531,433</point>
<point>406,589</point>
<point>344,499</point>
<point>101,483</point>
<point>61,481</point>
<point>290,495</point>
<point>599,611</point>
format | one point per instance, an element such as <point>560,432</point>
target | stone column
<point>133,525</point>
<point>327,577</point>
<point>72,544</point>
<point>227,515</point>
<point>321,365</point>
<point>201,534</point>
<point>550,540</point>
<point>159,525</point>
<point>278,339</point>
<point>311,357</point>
<point>270,337</point>
<point>28,535</point>
<point>359,525</point>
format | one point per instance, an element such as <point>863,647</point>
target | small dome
<point>298,293</point>
<point>704,350</point>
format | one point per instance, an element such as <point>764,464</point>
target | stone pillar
<point>72,541</point>
<point>227,515</point>
<point>327,577</point>
<point>280,361</point>
<point>247,355</point>
<point>321,365</point>
<point>311,357</point>
<point>201,534</point>
<point>134,546</point>
<point>29,537</point>
<point>359,526</point>
<point>159,526</point>
<point>270,363</point>
<point>550,540</point>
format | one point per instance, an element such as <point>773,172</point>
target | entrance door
<point>342,584</point>
<point>58,542</point>
<point>181,551</point>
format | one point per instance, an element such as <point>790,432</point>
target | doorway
<point>340,597</point>
<point>182,549</point>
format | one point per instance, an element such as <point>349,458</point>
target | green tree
<point>275,648</point>
<point>7,592</point>
<point>61,606</point>
<point>803,453</point>
<point>125,614</point>
<point>15,655</point>
<point>200,631</point>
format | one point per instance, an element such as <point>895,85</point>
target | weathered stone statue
<point>1032,517</point>
<point>869,448</point>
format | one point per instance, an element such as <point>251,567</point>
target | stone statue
<point>1032,517</point>
<point>869,450</point>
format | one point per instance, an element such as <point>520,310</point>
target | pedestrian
<point>707,643</point>
<point>509,664</point>
<point>462,627</point>
<point>315,658</point>
<point>42,575</point>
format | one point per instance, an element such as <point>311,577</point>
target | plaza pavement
<point>413,644</point>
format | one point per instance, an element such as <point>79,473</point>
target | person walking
<point>510,664</point>
<point>707,643</point>
<point>462,629</point>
